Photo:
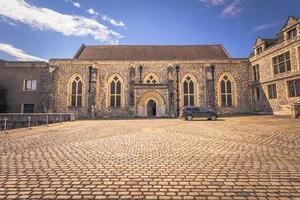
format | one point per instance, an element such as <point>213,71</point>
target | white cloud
<point>233,9</point>
<point>48,19</point>
<point>8,21</point>
<point>265,26</point>
<point>18,53</point>
<point>92,12</point>
<point>213,2</point>
<point>113,21</point>
<point>76,4</point>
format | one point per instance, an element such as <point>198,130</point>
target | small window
<point>294,88</point>
<point>272,92</point>
<point>151,78</point>
<point>259,50</point>
<point>292,33</point>
<point>256,75</point>
<point>256,93</point>
<point>282,63</point>
<point>28,108</point>
<point>30,85</point>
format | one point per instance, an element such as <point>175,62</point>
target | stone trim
<point>279,79</point>
<point>136,62</point>
<point>147,86</point>
<point>156,78</point>
<point>273,49</point>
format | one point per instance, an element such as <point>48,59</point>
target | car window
<point>195,109</point>
<point>203,109</point>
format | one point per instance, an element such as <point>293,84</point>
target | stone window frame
<point>274,94</point>
<point>233,90</point>
<point>148,79</point>
<point>288,89</point>
<point>256,92</point>
<point>108,95</point>
<point>259,50</point>
<point>285,63</point>
<point>298,56</point>
<point>31,81</point>
<point>70,94</point>
<point>256,72</point>
<point>293,30</point>
<point>196,92</point>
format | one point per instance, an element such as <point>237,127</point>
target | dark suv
<point>189,112</point>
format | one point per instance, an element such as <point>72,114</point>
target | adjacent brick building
<point>158,80</point>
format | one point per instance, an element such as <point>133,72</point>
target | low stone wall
<point>18,120</point>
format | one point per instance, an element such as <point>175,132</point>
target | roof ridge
<point>155,52</point>
<point>79,51</point>
<point>133,45</point>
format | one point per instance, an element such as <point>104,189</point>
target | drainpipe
<point>90,78</point>
<point>90,90</point>
<point>177,89</point>
<point>212,67</point>
<point>141,71</point>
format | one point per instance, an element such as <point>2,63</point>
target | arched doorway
<point>151,104</point>
<point>151,108</point>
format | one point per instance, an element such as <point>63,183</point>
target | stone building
<point>275,70</point>
<point>159,80</point>
<point>24,82</point>
<point>147,81</point>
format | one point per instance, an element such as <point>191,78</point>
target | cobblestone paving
<point>234,158</point>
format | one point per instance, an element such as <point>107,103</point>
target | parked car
<point>189,112</point>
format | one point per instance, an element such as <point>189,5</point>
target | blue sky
<point>43,29</point>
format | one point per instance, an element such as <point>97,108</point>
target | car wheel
<point>214,117</point>
<point>189,117</point>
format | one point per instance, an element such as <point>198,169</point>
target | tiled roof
<point>152,52</point>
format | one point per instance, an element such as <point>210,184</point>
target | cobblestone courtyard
<point>239,158</point>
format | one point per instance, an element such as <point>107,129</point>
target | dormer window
<point>292,33</point>
<point>259,50</point>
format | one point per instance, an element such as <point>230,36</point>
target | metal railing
<point>21,120</point>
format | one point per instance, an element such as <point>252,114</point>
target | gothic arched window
<point>188,92</point>
<point>151,78</point>
<point>226,92</point>
<point>115,92</point>
<point>76,91</point>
